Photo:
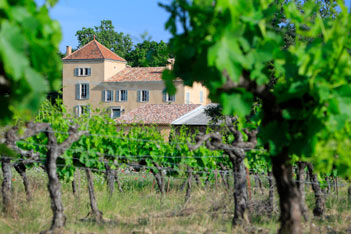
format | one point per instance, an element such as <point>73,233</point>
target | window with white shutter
<point>143,95</point>
<point>81,110</point>
<point>121,95</point>
<point>82,71</point>
<point>107,95</point>
<point>167,97</point>
<point>82,91</point>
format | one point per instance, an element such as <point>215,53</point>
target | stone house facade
<point>96,78</point>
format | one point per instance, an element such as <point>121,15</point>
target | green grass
<point>139,209</point>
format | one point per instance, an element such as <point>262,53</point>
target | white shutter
<point>89,72</point>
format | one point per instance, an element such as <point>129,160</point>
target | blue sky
<point>129,16</point>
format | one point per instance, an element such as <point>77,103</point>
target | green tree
<point>233,49</point>
<point>148,54</point>
<point>28,37</point>
<point>118,42</point>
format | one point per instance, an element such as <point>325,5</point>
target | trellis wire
<point>135,139</point>
<point>167,169</point>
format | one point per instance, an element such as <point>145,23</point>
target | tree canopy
<point>28,37</point>
<point>148,54</point>
<point>105,33</point>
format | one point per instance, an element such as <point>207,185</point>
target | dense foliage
<point>28,38</point>
<point>138,146</point>
<point>105,33</point>
<point>148,53</point>
<point>234,50</point>
<point>237,50</point>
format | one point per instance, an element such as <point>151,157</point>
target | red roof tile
<point>138,74</point>
<point>94,50</point>
<point>156,113</point>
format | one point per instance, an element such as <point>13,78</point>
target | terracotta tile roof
<point>156,113</point>
<point>94,50</point>
<point>138,74</point>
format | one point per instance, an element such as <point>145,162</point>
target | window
<point>107,95</point>
<point>82,71</point>
<point>167,97</point>
<point>84,110</point>
<point>81,110</point>
<point>121,95</point>
<point>115,112</point>
<point>143,95</point>
<point>82,91</point>
<point>201,96</point>
<point>187,98</point>
<point>87,71</point>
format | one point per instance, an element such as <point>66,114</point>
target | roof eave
<point>187,116</point>
<point>95,59</point>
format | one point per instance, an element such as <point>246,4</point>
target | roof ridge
<point>97,45</point>
<point>77,50</point>
<point>94,50</point>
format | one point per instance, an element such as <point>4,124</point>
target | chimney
<point>170,63</point>
<point>68,50</point>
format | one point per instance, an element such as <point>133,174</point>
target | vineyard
<point>138,208</point>
<point>280,72</point>
<point>178,176</point>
